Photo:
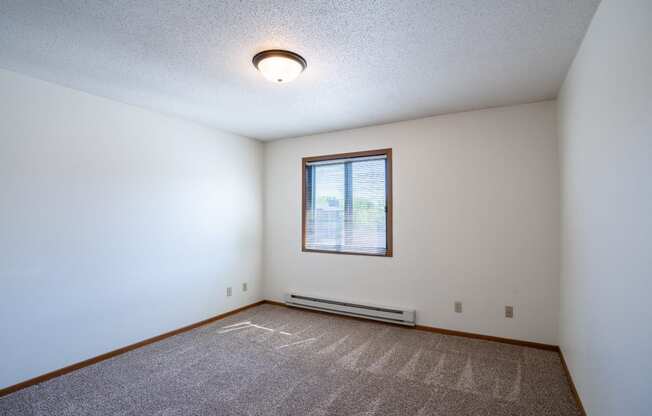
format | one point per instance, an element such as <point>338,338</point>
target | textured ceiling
<point>369,62</point>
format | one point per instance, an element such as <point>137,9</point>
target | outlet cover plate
<point>458,307</point>
<point>509,311</point>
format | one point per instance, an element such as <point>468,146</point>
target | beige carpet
<point>271,360</point>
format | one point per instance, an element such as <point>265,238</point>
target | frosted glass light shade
<point>279,66</point>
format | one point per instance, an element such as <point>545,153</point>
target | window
<point>347,203</point>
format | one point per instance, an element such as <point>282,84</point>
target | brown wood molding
<point>114,353</point>
<point>111,354</point>
<point>511,341</point>
<point>572,384</point>
<point>530,344</point>
<point>389,252</point>
<point>273,302</point>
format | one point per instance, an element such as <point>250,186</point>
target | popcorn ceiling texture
<point>369,62</point>
<point>271,360</point>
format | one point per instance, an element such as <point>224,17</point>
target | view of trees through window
<point>346,205</point>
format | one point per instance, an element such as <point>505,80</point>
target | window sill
<point>351,253</point>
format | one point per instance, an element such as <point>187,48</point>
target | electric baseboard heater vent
<point>368,311</point>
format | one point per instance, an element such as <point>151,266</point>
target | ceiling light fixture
<point>279,66</point>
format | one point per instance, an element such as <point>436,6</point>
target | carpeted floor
<point>271,360</point>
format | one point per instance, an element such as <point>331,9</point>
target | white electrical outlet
<point>244,287</point>
<point>458,307</point>
<point>229,291</point>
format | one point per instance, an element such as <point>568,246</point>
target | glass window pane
<point>346,206</point>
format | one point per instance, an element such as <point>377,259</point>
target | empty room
<point>314,208</point>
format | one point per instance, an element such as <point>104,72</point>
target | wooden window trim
<point>388,195</point>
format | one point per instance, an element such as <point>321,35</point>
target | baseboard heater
<point>375,312</point>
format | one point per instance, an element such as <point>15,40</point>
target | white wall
<point>605,130</point>
<point>116,224</point>
<point>476,219</point>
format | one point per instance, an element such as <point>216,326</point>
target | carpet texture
<point>272,360</point>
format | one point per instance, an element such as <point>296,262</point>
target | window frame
<point>388,199</point>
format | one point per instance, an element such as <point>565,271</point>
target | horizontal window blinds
<point>346,205</point>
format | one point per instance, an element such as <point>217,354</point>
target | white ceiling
<point>369,62</point>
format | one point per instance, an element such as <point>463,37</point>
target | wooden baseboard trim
<point>111,354</point>
<point>114,353</point>
<point>273,302</point>
<point>530,344</point>
<point>571,383</point>
<point>511,341</point>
